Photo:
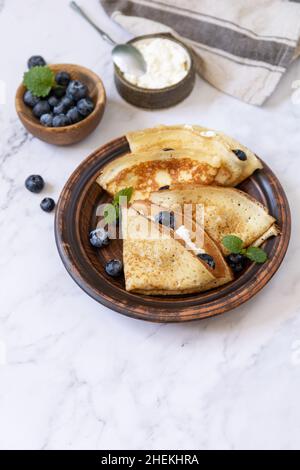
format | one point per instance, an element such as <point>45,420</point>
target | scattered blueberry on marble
<point>99,237</point>
<point>36,61</point>
<point>30,99</point>
<point>114,268</point>
<point>47,204</point>
<point>47,120</point>
<point>34,183</point>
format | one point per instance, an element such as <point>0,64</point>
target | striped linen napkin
<point>242,47</point>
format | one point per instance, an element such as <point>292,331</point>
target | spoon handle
<point>79,10</point>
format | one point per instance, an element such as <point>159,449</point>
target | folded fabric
<point>242,47</point>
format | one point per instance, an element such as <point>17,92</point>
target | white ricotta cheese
<point>183,233</point>
<point>208,133</point>
<point>167,63</point>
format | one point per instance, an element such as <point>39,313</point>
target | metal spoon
<point>127,57</point>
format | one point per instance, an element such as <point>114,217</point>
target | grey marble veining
<point>75,375</point>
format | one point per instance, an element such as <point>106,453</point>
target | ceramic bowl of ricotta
<point>170,75</point>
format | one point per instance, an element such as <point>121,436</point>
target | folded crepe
<point>161,261</point>
<point>166,155</point>
<point>223,211</point>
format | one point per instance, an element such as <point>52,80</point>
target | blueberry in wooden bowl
<point>71,110</point>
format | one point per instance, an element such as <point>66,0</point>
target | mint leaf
<point>126,192</point>
<point>256,254</point>
<point>112,211</point>
<point>233,244</point>
<point>39,80</point>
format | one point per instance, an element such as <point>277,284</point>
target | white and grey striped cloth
<point>243,47</point>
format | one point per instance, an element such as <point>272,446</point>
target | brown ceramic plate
<point>75,218</point>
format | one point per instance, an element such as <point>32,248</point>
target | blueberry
<point>62,78</point>
<point>77,90</point>
<point>34,183</point>
<point>63,106</point>
<point>85,106</point>
<point>114,268</point>
<point>42,107</point>
<point>61,120</point>
<point>235,258</point>
<point>166,218</point>
<point>99,237</point>
<point>240,154</point>
<point>74,115</point>
<point>237,268</point>
<point>208,259</point>
<point>29,99</point>
<point>236,262</point>
<point>35,61</point>
<point>59,91</point>
<point>46,120</point>
<point>47,204</point>
<point>53,101</point>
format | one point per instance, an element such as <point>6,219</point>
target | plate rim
<point>204,311</point>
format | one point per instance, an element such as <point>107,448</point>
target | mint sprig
<point>39,80</point>
<point>235,245</point>
<point>112,211</point>
<point>256,254</point>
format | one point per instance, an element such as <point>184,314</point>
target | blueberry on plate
<point>99,237</point>
<point>77,90</point>
<point>74,115</point>
<point>59,91</point>
<point>46,120</point>
<point>61,120</point>
<point>53,101</point>
<point>36,61</point>
<point>236,262</point>
<point>30,100</point>
<point>47,204</point>
<point>166,218</point>
<point>34,183</point>
<point>42,107</point>
<point>62,78</point>
<point>85,106</point>
<point>240,154</point>
<point>208,259</point>
<point>114,268</point>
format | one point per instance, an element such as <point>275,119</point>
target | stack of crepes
<point>176,170</point>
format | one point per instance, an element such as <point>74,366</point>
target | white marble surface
<point>79,376</point>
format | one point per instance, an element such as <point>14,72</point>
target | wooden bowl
<point>76,132</point>
<point>76,217</point>
<point>156,98</point>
